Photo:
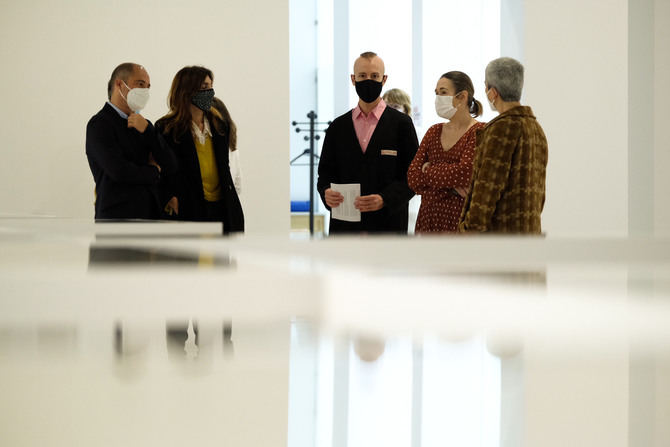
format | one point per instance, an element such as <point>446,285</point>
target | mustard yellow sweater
<point>208,170</point>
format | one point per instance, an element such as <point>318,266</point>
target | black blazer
<point>126,185</point>
<point>186,182</point>
<point>384,173</point>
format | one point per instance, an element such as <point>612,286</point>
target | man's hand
<point>172,206</point>
<point>152,162</point>
<point>333,198</point>
<point>462,191</point>
<point>372,202</point>
<point>138,122</point>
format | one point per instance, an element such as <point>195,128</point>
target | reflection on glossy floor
<point>167,334</point>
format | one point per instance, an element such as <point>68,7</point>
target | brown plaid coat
<point>508,180</point>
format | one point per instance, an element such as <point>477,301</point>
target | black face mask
<point>368,90</point>
<point>203,99</point>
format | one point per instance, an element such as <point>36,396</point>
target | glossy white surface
<point>351,341</point>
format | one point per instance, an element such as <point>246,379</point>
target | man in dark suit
<point>123,150</point>
<point>371,145</point>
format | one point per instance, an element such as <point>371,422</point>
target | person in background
<point>399,100</point>
<point>444,159</point>
<point>202,188</point>
<point>507,191</point>
<point>234,157</point>
<point>123,150</point>
<point>371,145</point>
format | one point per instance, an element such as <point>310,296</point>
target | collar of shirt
<point>376,112</point>
<point>201,135</point>
<point>119,111</point>
<point>365,126</point>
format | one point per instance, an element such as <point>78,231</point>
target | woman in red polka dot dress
<point>443,162</point>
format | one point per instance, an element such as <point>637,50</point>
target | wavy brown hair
<point>230,124</point>
<point>185,84</point>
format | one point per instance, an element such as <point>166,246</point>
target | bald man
<point>124,152</point>
<point>371,145</point>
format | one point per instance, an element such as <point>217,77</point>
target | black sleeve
<point>168,184</point>
<point>162,153</point>
<point>398,193</point>
<point>102,148</point>
<point>327,165</point>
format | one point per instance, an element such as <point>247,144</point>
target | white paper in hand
<point>346,211</point>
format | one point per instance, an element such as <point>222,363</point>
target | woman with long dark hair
<point>202,188</point>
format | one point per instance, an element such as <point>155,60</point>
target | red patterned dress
<point>440,205</point>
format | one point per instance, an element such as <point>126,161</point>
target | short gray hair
<point>505,75</point>
<point>122,72</point>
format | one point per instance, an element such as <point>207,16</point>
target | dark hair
<point>232,128</point>
<point>185,84</point>
<point>462,83</point>
<point>122,72</point>
<point>368,55</point>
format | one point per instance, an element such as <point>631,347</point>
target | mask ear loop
<point>125,98</point>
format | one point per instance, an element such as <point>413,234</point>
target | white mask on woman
<point>444,106</point>
<point>137,98</point>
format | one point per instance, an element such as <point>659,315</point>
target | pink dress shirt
<point>366,125</point>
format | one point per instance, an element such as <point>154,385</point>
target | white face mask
<point>137,98</point>
<point>444,106</point>
<point>493,107</point>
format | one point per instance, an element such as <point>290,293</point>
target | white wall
<point>57,59</point>
<point>640,117</point>
<point>577,84</point>
<point>661,104</point>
